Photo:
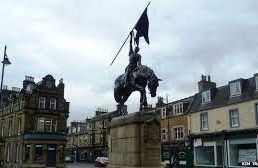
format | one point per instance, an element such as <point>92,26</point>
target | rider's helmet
<point>136,49</point>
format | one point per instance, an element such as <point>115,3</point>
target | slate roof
<point>188,101</point>
<point>221,96</point>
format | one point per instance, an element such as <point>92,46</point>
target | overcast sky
<point>77,40</point>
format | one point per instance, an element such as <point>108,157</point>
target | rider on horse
<point>134,61</point>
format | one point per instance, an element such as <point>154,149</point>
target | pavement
<point>80,165</point>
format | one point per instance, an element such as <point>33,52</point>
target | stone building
<point>33,125</point>
<point>93,141</point>
<point>174,130</point>
<point>223,123</point>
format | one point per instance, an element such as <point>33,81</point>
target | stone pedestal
<point>134,141</point>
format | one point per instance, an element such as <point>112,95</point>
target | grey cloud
<point>77,41</point>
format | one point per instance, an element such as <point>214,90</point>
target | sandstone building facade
<point>91,141</point>
<point>33,125</point>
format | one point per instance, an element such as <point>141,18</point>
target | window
<point>256,82</point>
<point>209,153</point>
<point>42,102</point>
<point>19,127</point>
<point>54,126</point>
<point>204,155</point>
<point>206,96</point>
<point>204,121</point>
<point>2,129</point>
<point>163,113</point>
<point>178,108</point>
<point>38,153</point>
<point>164,134</point>
<point>47,124</point>
<point>235,89</point>
<point>92,125</point>
<point>17,153</point>
<point>234,118</point>
<point>103,138</point>
<point>178,133</point>
<point>104,125</point>
<point>41,124</point>
<point>8,153</point>
<point>61,153</point>
<point>53,103</point>
<point>29,87</point>
<point>27,152</point>
<point>256,112</point>
<point>10,128</point>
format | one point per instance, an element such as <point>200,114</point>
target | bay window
<point>47,124</point>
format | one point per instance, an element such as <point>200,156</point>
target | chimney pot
<point>203,78</point>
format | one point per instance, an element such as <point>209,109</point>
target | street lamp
<point>4,62</point>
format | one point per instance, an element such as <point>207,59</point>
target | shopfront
<point>233,150</point>
<point>242,150</point>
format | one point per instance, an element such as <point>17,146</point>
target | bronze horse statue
<point>140,77</point>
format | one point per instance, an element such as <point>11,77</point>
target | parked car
<point>69,159</point>
<point>101,162</point>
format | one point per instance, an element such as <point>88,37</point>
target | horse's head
<point>153,85</point>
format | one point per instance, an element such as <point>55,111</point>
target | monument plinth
<point>134,141</point>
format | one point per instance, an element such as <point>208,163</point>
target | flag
<point>142,27</point>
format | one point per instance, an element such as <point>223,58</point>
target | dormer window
<point>28,88</point>
<point>178,108</point>
<point>256,82</point>
<point>235,89</point>
<point>206,96</point>
<point>163,113</point>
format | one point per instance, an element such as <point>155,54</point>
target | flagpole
<point>128,35</point>
<point>120,49</point>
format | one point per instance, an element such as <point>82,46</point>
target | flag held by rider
<point>142,30</point>
<point>142,27</point>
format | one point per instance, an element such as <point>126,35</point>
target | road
<point>80,165</point>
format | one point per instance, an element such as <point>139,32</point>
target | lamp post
<point>4,62</point>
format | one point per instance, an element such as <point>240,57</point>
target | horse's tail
<point>118,89</point>
<point>117,96</point>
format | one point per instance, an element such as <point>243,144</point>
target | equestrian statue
<point>135,78</point>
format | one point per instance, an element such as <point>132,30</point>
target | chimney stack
<point>205,84</point>
<point>28,80</point>
<point>160,101</point>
